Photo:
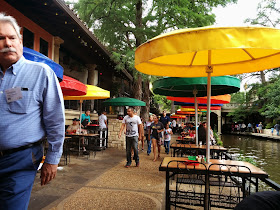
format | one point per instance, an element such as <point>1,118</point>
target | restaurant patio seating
<point>185,152</point>
<point>188,187</point>
<point>229,184</point>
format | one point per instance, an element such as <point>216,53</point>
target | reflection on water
<point>266,153</point>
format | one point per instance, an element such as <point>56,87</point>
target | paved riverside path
<point>260,135</point>
<point>104,183</point>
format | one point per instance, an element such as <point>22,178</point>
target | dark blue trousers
<point>17,174</point>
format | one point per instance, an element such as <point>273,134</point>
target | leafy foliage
<point>268,14</point>
<point>163,102</point>
<point>251,160</point>
<point>261,100</point>
<point>124,25</point>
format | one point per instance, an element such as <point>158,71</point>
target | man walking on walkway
<point>32,108</point>
<point>277,128</point>
<point>134,130</point>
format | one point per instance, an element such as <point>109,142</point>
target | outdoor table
<point>93,127</point>
<point>214,148</point>
<point>81,135</point>
<point>185,140</point>
<point>173,167</point>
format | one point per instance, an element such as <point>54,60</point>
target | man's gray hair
<point>9,19</point>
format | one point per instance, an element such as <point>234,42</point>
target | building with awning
<point>53,29</point>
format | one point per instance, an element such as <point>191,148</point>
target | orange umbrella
<point>222,99</point>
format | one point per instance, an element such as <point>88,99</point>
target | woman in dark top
<point>155,135</point>
<point>202,133</point>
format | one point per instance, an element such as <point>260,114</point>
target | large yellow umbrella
<point>200,52</point>
<point>93,92</point>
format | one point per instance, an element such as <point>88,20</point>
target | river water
<point>266,153</point>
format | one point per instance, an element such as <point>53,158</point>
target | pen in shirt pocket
<point>24,89</point>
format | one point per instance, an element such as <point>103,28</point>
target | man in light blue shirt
<point>31,108</point>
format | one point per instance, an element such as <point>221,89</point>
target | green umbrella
<point>184,87</point>
<point>195,87</point>
<point>123,101</point>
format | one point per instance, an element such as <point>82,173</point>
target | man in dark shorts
<point>155,135</point>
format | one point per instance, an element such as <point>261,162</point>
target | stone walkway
<point>103,183</point>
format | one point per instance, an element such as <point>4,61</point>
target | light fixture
<point>65,22</point>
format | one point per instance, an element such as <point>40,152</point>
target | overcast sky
<point>235,14</point>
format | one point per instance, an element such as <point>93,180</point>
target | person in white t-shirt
<point>167,138</point>
<point>103,120</point>
<point>134,129</point>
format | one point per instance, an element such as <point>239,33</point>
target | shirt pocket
<point>21,106</point>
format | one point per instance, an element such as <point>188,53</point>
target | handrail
<point>271,183</point>
<point>267,181</point>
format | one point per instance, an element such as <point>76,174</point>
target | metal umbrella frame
<point>210,51</point>
<point>193,87</point>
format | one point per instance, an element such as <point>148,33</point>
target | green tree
<point>268,14</point>
<point>124,25</point>
<point>271,98</point>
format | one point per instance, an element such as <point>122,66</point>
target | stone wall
<point>114,126</point>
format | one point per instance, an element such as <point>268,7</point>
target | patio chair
<point>229,184</point>
<point>187,190</point>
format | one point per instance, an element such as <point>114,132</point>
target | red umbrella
<point>72,87</point>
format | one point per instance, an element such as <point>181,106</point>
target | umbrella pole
<point>81,103</point>
<point>209,70</point>
<point>195,105</point>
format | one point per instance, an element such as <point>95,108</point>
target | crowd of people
<point>254,128</point>
<point>156,131</point>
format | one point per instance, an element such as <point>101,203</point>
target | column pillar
<point>219,113</point>
<point>57,41</point>
<point>92,78</point>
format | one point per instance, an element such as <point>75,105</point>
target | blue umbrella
<point>33,55</point>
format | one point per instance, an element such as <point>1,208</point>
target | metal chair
<point>188,189</point>
<point>229,184</point>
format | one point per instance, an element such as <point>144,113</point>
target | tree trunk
<point>137,83</point>
<point>262,77</point>
<point>137,90</point>
<point>172,107</point>
<point>139,23</point>
<point>146,98</point>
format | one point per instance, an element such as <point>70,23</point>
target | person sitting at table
<point>85,119</point>
<point>201,131</point>
<point>75,127</point>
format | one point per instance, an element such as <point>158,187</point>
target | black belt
<point>10,151</point>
